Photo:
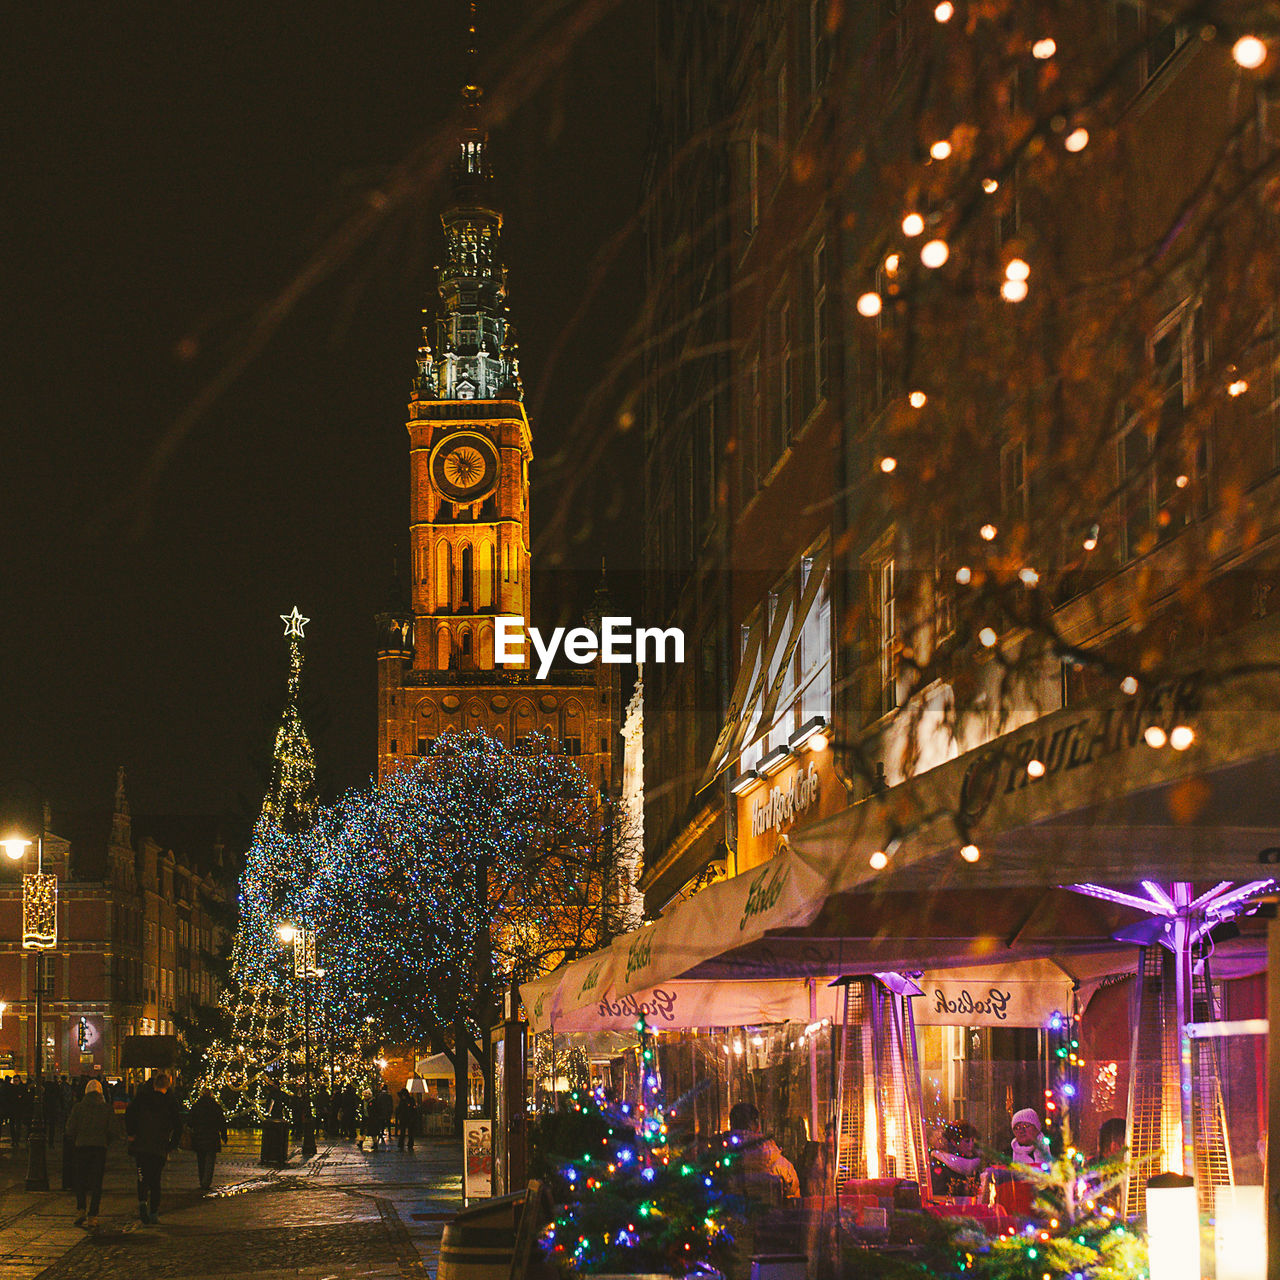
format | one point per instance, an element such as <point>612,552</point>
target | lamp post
<point>303,942</point>
<point>39,934</point>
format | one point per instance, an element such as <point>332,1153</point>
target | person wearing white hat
<point>1029,1145</point>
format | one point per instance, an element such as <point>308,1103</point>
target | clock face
<point>464,467</point>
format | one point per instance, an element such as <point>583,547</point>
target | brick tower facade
<point>470,446</point>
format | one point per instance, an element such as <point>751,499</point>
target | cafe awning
<point>1107,808</point>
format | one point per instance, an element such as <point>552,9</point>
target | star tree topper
<point>294,622</point>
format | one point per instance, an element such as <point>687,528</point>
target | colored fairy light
<point>1181,737</point>
<point>1044,48</point>
<point>944,12</point>
<point>879,860</point>
<point>1014,290</point>
<point>964,575</point>
<point>987,533</point>
<point>912,224</point>
<point>1016,269</point>
<point>1028,577</point>
<point>1077,139</point>
<point>870,304</point>
<point>1035,768</point>
<point>1155,736</point>
<point>891,264</point>
<point>990,186</point>
<point>888,465</point>
<point>1237,388</point>
<point>917,399</point>
<point>970,852</point>
<point>988,637</point>
<point>941,149</point>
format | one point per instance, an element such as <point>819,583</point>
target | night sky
<point>178,470</point>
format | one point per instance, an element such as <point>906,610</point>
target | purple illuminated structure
<point>1180,920</point>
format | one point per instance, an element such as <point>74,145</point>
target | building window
<point>780,353</point>
<point>883,585</point>
<point>571,746</point>
<point>818,319</point>
<point>1014,497</point>
<point>814,659</point>
<point>464,588</point>
<point>944,589</point>
<point>749,459</point>
<point>1157,38</point>
<point>818,53</point>
<point>1154,458</point>
<point>393,746</point>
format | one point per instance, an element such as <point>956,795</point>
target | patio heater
<point>1176,1104</point>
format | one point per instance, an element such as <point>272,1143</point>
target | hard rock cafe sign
<point>780,806</point>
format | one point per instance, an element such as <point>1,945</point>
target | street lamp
<point>303,942</point>
<point>39,934</point>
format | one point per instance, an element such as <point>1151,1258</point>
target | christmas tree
<point>633,1201</point>
<point>252,1062</point>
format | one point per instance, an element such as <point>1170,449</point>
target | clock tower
<point>470,446</point>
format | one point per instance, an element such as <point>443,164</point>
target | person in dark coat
<point>208,1124</point>
<point>19,1109</point>
<point>153,1122</point>
<point>349,1113</point>
<point>381,1109</point>
<point>89,1130</point>
<point>406,1116</point>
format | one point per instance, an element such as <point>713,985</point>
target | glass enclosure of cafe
<point>895,1061</point>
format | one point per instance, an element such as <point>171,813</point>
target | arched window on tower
<point>464,650</point>
<point>442,649</point>
<point>486,648</point>
<point>444,576</point>
<point>484,590</point>
<point>465,589</point>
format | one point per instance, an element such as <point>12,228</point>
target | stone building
<point>470,447</point>
<point>134,937</point>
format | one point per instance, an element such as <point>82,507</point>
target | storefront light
<point>774,761</point>
<point>744,782</point>
<point>811,736</point>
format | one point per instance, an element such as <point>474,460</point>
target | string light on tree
<point>1249,52</point>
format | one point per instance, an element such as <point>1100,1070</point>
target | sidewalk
<point>341,1215</point>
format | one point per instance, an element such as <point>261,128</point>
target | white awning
<point>688,1004</point>
<point>1108,809</point>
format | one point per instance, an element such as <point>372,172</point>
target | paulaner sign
<point>780,805</point>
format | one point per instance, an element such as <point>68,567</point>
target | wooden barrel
<point>479,1243</point>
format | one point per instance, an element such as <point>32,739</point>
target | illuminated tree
<point>476,868</point>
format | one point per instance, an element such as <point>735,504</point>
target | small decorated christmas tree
<point>633,1201</point>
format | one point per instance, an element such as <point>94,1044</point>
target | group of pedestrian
<point>58,1094</point>
<point>345,1114</point>
<point>154,1123</point>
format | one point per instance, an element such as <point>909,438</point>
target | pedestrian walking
<point>349,1113</point>
<point>153,1122</point>
<point>381,1110</point>
<point>89,1129</point>
<point>208,1124</point>
<point>19,1110</point>
<point>406,1116</point>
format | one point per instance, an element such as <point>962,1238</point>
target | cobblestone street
<point>341,1215</point>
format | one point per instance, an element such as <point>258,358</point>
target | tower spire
<point>474,354</point>
<point>290,802</point>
